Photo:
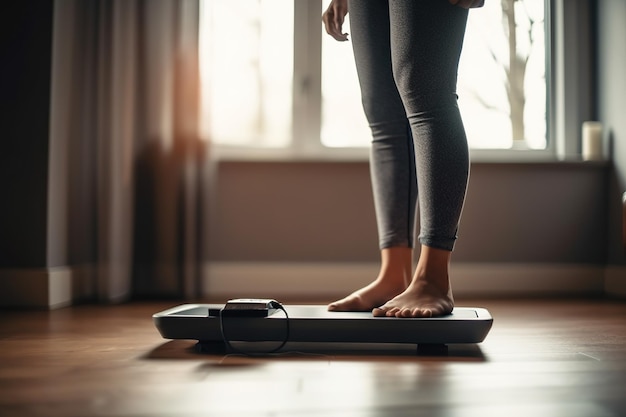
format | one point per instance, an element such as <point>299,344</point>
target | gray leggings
<point>407,54</point>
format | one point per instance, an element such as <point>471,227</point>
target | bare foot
<point>368,297</point>
<point>429,294</point>
<point>394,277</point>
<point>420,299</point>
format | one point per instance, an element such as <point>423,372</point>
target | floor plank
<point>541,358</point>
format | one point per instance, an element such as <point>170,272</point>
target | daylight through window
<point>247,71</point>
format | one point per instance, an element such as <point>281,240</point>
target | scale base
<point>313,323</point>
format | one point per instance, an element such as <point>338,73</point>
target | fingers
<point>333,19</point>
<point>333,24</point>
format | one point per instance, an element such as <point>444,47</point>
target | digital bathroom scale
<point>314,323</point>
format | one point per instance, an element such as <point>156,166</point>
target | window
<point>254,78</point>
<point>246,62</point>
<point>343,123</point>
<point>502,76</point>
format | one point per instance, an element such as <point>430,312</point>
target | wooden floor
<point>542,358</point>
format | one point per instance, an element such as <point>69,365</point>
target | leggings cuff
<point>438,243</point>
<point>403,243</point>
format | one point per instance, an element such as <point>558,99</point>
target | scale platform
<point>314,323</point>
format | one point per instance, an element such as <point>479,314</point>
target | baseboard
<point>35,287</point>
<point>327,281</point>
<point>52,288</point>
<point>47,288</point>
<point>615,281</point>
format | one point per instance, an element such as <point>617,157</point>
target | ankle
<point>433,258</point>
<point>433,268</point>
<point>396,266</point>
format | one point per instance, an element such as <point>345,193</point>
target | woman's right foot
<point>369,297</point>
<point>394,277</point>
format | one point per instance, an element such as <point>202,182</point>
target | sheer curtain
<point>128,166</point>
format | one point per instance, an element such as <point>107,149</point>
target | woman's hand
<point>334,17</point>
<point>468,4</point>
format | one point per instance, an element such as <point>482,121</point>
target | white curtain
<point>127,162</point>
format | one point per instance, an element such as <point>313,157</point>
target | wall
<point>309,228</point>
<point>26,53</point>
<point>611,53</point>
<point>323,211</point>
<point>25,88</point>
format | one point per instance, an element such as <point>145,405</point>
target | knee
<point>383,106</point>
<point>424,89</point>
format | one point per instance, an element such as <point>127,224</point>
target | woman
<point>407,54</point>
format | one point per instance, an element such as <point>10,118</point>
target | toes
<point>379,312</point>
<point>351,303</point>
<point>402,312</point>
<point>384,311</point>
<point>408,312</point>
<point>417,312</point>
<point>336,306</point>
<point>392,312</point>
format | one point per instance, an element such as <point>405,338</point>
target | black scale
<point>252,320</point>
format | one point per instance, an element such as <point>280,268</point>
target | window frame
<point>568,81</point>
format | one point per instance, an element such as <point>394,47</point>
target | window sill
<point>478,156</point>
<point>248,154</point>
